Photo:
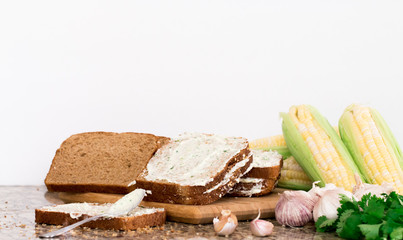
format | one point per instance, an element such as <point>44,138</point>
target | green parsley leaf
<point>323,224</point>
<point>348,225</point>
<point>389,226</point>
<point>375,210</point>
<point>370,231</point>
<point>395,214</point>
<point>347,204</point>
<point>397,234</point>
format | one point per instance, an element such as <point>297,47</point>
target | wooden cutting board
<point>245,208</point>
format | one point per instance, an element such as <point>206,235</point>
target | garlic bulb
<point>294,208</point>
<point>329,202</point>
<point>361,189</point>
<point>226,223</point>
<point>261,228</point>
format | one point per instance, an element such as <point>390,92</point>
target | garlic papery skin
<point>299,196</point>
<point>317,192</point>
<point>374,189</point>
<point>329,202</point>
<point>226,223</point>
<point>294,208</point>
<point>261,228</point>
<point>361,189</point>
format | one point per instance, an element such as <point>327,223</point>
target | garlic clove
<point>227,229</point>
<point>261,228</point>
<point>226,223</point>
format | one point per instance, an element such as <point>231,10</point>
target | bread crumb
<point>22,226</point>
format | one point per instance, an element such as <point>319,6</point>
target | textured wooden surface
<point>245,208</point>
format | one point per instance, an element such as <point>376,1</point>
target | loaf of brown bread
<point>67,214</point>
<point>195,169</point>
<point>263,176</point>
<point>101,162</point>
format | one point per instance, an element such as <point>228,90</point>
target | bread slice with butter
<point>104,162</point>
<point>66,214</point>
<point>195,168</point>
<point>263,176</point>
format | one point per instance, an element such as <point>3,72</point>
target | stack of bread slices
<point>193,168</point>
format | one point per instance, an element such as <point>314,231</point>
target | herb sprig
<point>371,218</point>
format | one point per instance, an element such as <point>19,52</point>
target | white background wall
<point>165,67</point>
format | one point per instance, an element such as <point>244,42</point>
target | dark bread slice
<point>264,172</point>
<point>133,221</point>
<point>101,161</point>
<point>263,176</point>
<point>235,164</point>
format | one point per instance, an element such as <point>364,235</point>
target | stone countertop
<point>17,221</point>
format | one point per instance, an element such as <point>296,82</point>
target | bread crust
<point>124,156</point>
<point>267,172</point>
<point>118,223</point>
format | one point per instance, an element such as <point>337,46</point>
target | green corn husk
<point>302,153</point>
<point>294,185</point>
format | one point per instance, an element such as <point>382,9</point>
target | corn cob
<point>292,175</point>
<point>273,143</point>
<point>372,145</point>
<point>317,147</point>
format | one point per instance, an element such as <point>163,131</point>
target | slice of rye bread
<point>101,162</point>
<point>67,214</point>
<point>263,176</point>
<point>195,169</point>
